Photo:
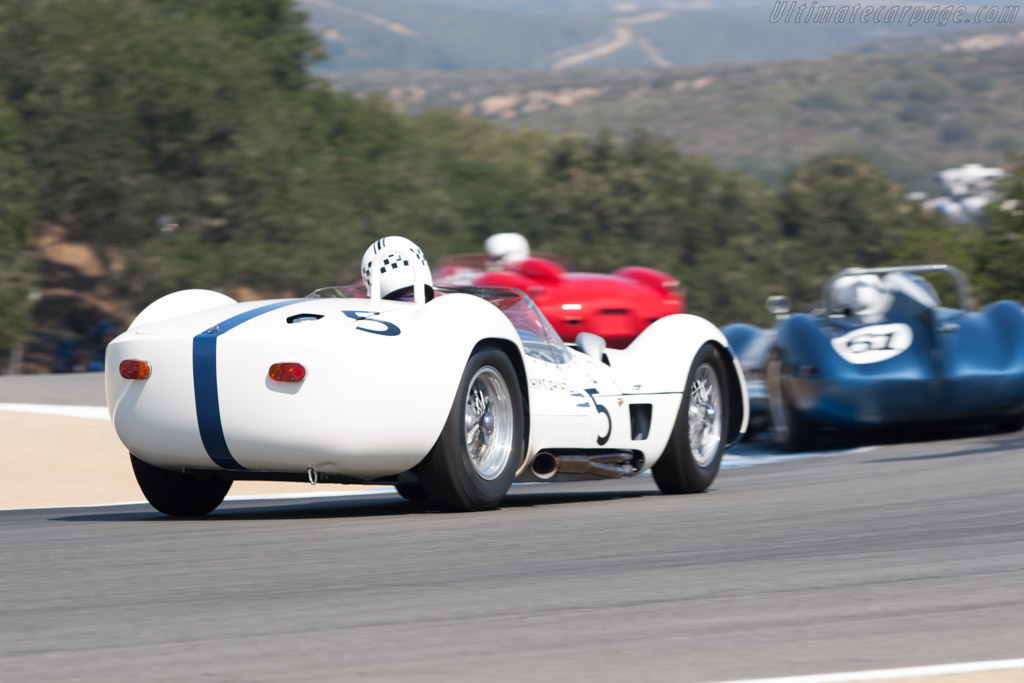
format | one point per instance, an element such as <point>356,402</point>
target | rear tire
<point>694,451</point>
<point>472,465</point>
<point>792,430</point>
<point>411,492</point>
<point>179,494</point>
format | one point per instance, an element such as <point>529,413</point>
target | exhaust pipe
<point>608,465</point>
<point>544,466</point>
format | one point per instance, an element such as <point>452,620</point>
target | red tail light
<point>287,372</point>
<point>135,369</point>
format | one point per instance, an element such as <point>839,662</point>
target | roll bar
<point>963,287</point>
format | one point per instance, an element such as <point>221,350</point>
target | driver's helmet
<point>859,295</point>
<point>507,247</point>
<point>396,269</point>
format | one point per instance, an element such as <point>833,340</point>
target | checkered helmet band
<point>395,270</point>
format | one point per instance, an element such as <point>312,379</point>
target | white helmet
<point>507,247</point>
<point>860,294</point>
<point>395,271</point>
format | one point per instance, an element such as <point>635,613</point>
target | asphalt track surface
<point>904,554</point>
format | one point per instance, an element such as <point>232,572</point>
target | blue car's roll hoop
<point>963,287</point>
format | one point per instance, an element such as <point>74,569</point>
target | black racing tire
<point>792,430</point>
<point>411,492</point>
<point>694,451</point>
<point>452,478</point>
<point>178,494</point>
<point>1013,423</point>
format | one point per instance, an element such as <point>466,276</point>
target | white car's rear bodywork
<point>381,380</point>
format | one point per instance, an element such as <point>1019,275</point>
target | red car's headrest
<point>651,277</point>
<point>538,269</point>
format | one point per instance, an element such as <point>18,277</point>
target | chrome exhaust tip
<point>544,466</point>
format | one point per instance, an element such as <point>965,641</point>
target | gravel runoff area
<point>56,461</point>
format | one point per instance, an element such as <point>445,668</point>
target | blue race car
<point>881,350</point>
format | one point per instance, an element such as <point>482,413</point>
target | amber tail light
<point>135,369</point>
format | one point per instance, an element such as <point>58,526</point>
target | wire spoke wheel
<point>474,461</point>
<point>489,423</point>
<point>693,453</point>
<point>705,413</point>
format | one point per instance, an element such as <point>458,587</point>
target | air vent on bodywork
<point>640,418</point>
<point>304,317</point>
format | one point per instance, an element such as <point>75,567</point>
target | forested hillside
<point>183,144</point>
<point>911,113</point>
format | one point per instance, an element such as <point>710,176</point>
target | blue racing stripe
<point>204,380</point>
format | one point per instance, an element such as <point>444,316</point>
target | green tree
<point>938,240</point>
<point>837,211</point>
<point>130,106</point>
<point>17,213</point>
<point>186,136</point>
<point>1000,251</point>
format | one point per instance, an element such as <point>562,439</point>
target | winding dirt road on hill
<point>622,37</point>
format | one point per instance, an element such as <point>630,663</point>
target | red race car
<point>617,307</point>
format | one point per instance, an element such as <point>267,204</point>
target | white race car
<point>449,397</point>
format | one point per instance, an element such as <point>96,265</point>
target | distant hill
<point>971,39</point>
<point>455,35</point>
<point>912,113</point>
<point>720,79</point>
<point>364,35</point>
<point>568,6</point>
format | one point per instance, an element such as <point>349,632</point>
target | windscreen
<point>538,336</point>
<point>338,292</point>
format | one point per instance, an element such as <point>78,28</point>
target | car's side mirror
<point>778,305</point>
<point>591,344</point>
